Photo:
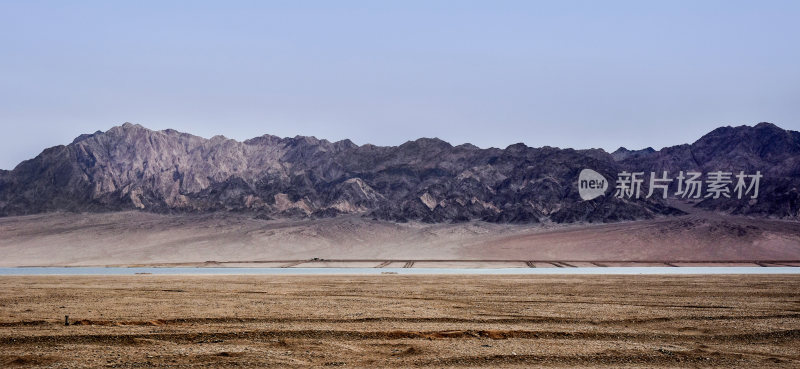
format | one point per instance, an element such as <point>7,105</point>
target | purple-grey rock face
<point>765,148</point>
<point>131,167</point>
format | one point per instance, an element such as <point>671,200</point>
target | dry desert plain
<point>400,321</point>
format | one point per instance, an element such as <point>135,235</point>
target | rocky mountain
<point>429,180</point>
<point>764,148</point>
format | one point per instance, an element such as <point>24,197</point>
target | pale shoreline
<point>436,264</point>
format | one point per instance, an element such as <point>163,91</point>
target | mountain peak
<point>129,125</point>
<point>767,125</point>
<point>427,142</point>
<point>622,153</point>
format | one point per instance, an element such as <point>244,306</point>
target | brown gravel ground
<point>400,321</point>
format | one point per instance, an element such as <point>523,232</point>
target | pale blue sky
<point>560,73</point>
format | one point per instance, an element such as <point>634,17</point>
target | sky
<point>581,74</point>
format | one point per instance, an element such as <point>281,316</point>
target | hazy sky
<point>560,73</point>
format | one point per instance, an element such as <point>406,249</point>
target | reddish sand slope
<point>143,238</point>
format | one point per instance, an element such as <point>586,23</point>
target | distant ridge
<point>132,167</point>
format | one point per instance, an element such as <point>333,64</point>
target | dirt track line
<point>105,339</point>
<point>782,264</point>
<point>663,357</point>
<point>295,263</point>
<point>451,299</point>
<point>513,320</point>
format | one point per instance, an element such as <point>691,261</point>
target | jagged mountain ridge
<point>766,148</point>
<point>131,167</point>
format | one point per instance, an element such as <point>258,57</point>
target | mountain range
<point>130,167</point>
